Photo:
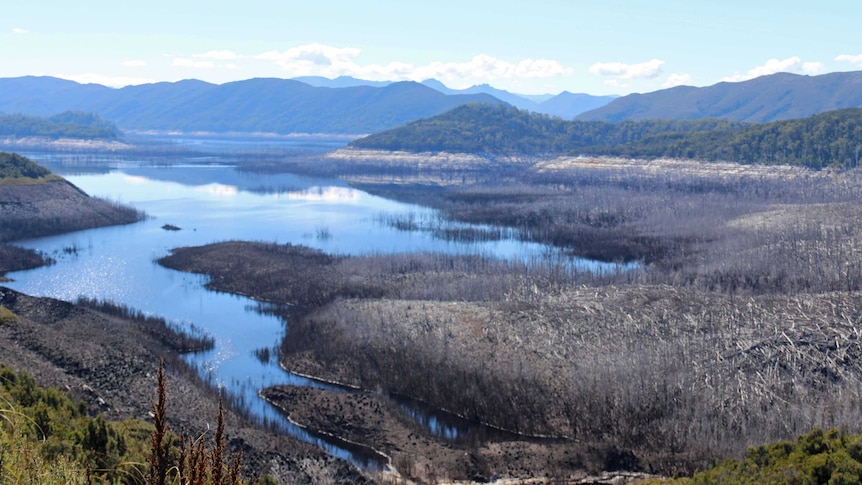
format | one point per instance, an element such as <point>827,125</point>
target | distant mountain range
<point>348,105</point>
<point>769,98</point>
<point>566,105</point>
<point>254,105</point>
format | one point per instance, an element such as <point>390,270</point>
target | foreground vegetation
<point>823,140</point>
<point>833,457</point>
<point>47,438</point>
<point>106,358</point>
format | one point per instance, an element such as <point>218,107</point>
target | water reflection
<point>215,202</point>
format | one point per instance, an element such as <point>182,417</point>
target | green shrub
<point>47,438</point>
<point>6,316</point>
<point>815,458</point>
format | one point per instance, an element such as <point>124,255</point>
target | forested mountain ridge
<point>254,105</point>
<point>775,97</point>
<point>501,130</point>
<point>69,124</point>
<point>828,139</point>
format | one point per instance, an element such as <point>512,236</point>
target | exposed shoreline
<point>65,144</point>
<point>110,363</point>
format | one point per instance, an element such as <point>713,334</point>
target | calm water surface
<point>213,202</point>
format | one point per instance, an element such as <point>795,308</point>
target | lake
<point>211,201</point>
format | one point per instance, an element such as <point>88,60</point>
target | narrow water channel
<point>212,202</point>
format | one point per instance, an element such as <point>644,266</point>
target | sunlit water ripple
<point>215,203</point>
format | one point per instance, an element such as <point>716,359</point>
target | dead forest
<point>735,322</point>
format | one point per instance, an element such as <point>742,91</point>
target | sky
<point>542,46</point>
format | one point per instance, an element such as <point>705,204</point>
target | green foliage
<point>502,130</point>
<point>22,462</point>
<point>49,428</point>
<point>47,438</point>
<point>815,458</point>
<point>6,316</point>
<point>71,124</point>
<point>14,166</point>
<point>828,139</point>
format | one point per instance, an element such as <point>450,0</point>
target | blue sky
<point>541,46</point>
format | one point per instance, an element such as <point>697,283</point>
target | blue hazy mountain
<point>339,82</point>
<point>568,105</point>
<point>565,105</point>
<point>769,98</point>
<point>254,105</point>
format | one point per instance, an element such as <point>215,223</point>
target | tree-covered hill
<point>14,166</point>
<point>502,130</point>
<point>70,124</point>
<point>833,138</point>
<point>828,139</point>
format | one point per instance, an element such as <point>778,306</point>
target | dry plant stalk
<point>196,465</point>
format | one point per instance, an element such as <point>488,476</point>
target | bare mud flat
<point>674,166</point>
<point>448,161</point>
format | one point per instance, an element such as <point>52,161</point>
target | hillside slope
<point>825,139</point>
<point>254,105</point>
<point>109,362</point>
<point>769,98</point>
<point>34,202</point>
<point>55,207</point>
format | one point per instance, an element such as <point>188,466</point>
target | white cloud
<point>220,55</point>
<point>329,61</point>
<point>208,60</point>
<point>20,31</point>
<point>314,59</point>
<point>644,70</point>
<point>481,68</point>
<point>185,62</point>
<point>812,68</point>
<point>857,59</point>
<point>615,83</point>
<point>112,81</point>
<point>791,64</point>
<point>677,79</point>
<point>133,63</point>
